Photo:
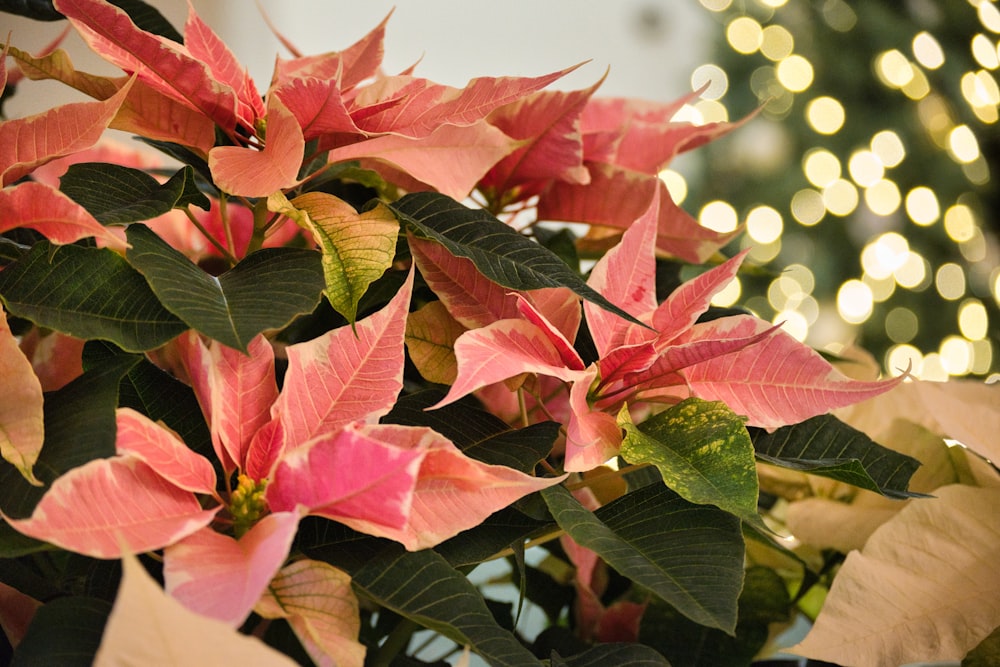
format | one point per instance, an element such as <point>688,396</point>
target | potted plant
<point>274,391</point>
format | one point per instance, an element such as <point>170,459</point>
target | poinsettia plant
<point>278,382</point>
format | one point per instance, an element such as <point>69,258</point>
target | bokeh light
<point>718,215</point>
<point>825,115</point>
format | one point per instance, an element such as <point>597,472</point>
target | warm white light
<point>922,206</point>
<point>973,321</point>
<point>927,51</point>
<point>825,115</point>
<point>865,168</point>
<point>962,144</point>
<point>795,73</point>
<point>854,301</point>
<point>676,185</point>
<point>764,224</point>
<point>718,215</point>
<point>840,197</point>
<point>888,147</point>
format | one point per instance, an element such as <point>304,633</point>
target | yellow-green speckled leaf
<point>702,450</point>
<point>357,247</point>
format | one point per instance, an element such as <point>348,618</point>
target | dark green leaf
<point>65,632</point>
<point>499,252</point>
<point>689,555</point>
<point>703,451</point>
<point>149,19</point>
<point>479,434</point>
<point>14,544</point>
<point>88,293</point>
<point>39,10</point>
<point>336,544</point>
<point>423,587</point>
<point>763,601</point>
<point>79,427</point>
<point>264,291</point>
<point>987,654</point>
<point>619,655</point>
<point>828,447</point>
<point>117,195</point>
<point>182,154</point>
<point>499,531</point>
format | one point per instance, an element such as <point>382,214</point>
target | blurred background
<point>866,182</point>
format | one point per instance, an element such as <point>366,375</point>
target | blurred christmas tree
<point>868,180</point>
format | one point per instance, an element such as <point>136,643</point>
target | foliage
<point>276,395</point>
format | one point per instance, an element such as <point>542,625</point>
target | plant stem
<point>229,257</point>
<point>396,642</point>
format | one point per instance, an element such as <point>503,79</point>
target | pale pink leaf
<point>567,353</point>
<point>451,159</point>
<point>453,492</point>
<point>235,390</point>
<point>679,235</point>
<point>434,105</point>
<point>26,143</point>
<point>344,375</point>
<point>109,507</point>
<point>685,304</point>
<point>148,627</point>
<point>204,45</point>
<point>163,451</point>
<point>222,578</point>
<point>966,410</point>
<point>56,358</point>
<point>249,172</point>
<point>22,428</point>
<point>162,64</point>
<point>149,113</point>
<point>626,276</point>
<point>472,299</point>
<point>776,382</point>
<point>592,437</point>
<point>266,447</point>
<point>319,604</point>
<point>503,350</point>
<point>616,113</point>
<point>58,66</point>
<point>367,482</point>
<point>52,214</point>
<point>548,124</point>
<point>349,67</point>
<point>924,588</point>
<point>612,197</point>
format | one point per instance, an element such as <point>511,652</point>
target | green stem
<point>229,257</point>
<point>395,643</point>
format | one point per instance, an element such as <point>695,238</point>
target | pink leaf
<point>451,159</point>
<point>318,107</point>
<point>592,437</point>
<point>626,276</point>
<point>26,143</point>
<point>249,172</point>
<point>453,492</point>
<point>153,115</point>
<point>56,358</point>
<point>163,451</point>
<point>345,375</point>
<point>147,627</point>
<point>22,430</point>
<point>319,604</point>
<point>367,484</point>
<point>548,124</point>
<point>776,382</point>
<point>569,356</point>
<point>472,299</point>
<point>235,391</point>
<point>51,213</point>
<point>434,105</point>
<point>109,507</point>
<point>204,45</point>
<point>504,350</point>
<point>222,578</point>
<point>685,304</point>
<point>162,64</point>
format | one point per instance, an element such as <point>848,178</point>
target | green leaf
<point>617,654</point>
<point>88,293</point>
<point>499,252</point>
<point>702,450</point>
<point>691,556</point>
<point>66,631</point>
<point>423,587</point>
<point>479,434</point>
<point>13,544</point>
<point>149,19</point>
<point>828,447</point>
<point>79,427</point>
<point>357,248</point>
<point>117,195</point>
<point>498,532</point>
<point>763,601</point>
<point>264,291</point>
